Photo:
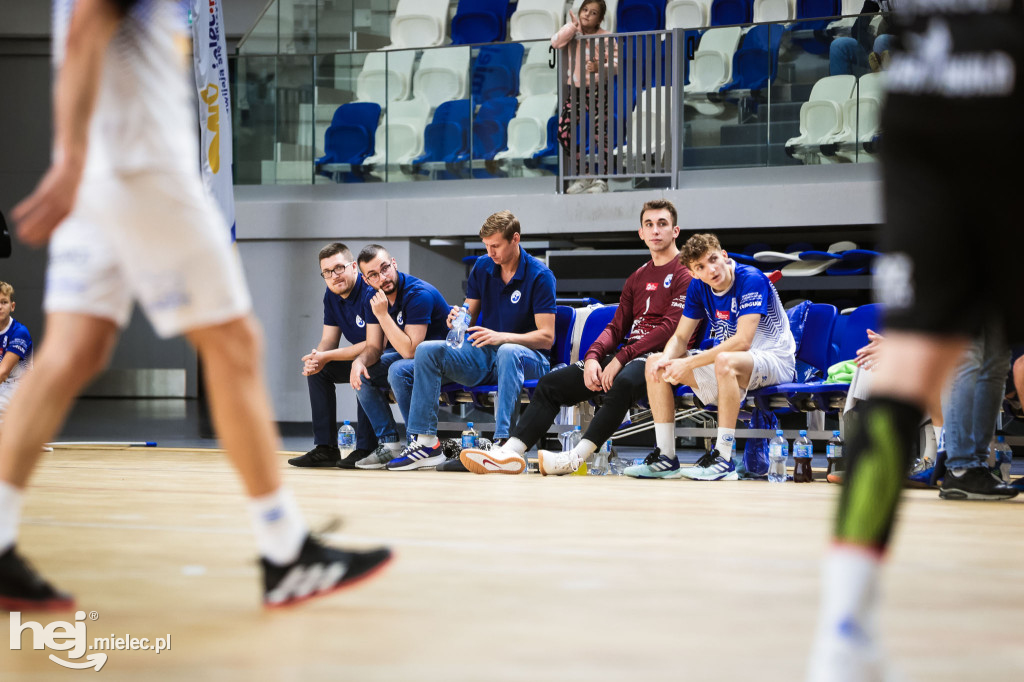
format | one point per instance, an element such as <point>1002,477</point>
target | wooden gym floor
<point>503,577</point>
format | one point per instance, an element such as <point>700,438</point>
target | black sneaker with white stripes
<point>318,570</point>
<point>23,589</point>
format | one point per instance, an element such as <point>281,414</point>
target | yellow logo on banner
<point>210,95</point>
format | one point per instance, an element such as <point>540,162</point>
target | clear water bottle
<point>1004,458</point>
<point>834,453</point>
<point>803,450</point>
<point>460,324</point>
<point>778,453</point>
<point>469,437</point>
<point>346,439</point>
<point>601,462</point>
<point>571,439</point>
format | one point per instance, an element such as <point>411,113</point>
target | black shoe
<point>451,465</point>
<point>22,589</point>
<point>976,483</point>
<point>318,570</point>
<point>321,456</point>
<point>353,457</point>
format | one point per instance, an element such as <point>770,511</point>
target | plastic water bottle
<point>469,437</point>
<point>459,326</point>
<point>1004,458</point>
<point>803,450</point>
<point>778,453</point>
<point>601,463</point>
<point>834,453</point>
<point>571,439</point>
<point>346,439</point>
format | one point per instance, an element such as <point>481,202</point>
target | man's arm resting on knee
<point>677,343</point>
<point>746,328</point>
<point>7,365</point>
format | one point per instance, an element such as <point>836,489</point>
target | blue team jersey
<point>16,339</point>
<point>751,292</point>
<point>511,307</point>
<point>417,302</point>
<point>348,313</point>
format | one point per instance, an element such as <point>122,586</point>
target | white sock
<point>940,443</point>
<point>11,500</point>
<point>429,441</point>
<point>849,588</point>
<point>726,442</point>
<point>397,446</point>
<point>584,449</point>
<point>665,438</point>
<point>280,528</point>
<point>515,445</point>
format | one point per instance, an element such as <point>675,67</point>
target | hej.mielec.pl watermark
<point>72,638</point>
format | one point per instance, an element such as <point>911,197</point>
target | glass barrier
<point>762,94</point>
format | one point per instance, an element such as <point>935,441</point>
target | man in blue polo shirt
<point>327,364</point>
<point>512,295</point>
<point>403,312</point>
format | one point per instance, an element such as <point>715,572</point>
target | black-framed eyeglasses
<point>336,272</point>
<point>375,276</point>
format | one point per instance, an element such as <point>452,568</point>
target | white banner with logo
<point>211,70</point>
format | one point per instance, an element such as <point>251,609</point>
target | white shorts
<point>5,398</point>
<point>154,237</point>
<point>769,369</point>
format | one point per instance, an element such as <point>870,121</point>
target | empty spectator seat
<point>712,67</point>
<point>528,131</point>
<point>774,10</point>
<point>687,14</point>
<point>756,63</point>
<point>480,21</point>
<point>496,72</point>
<point>400,137</point>
<point>443,75</point>
<point>536,19</point>
<point>861,119</point>
<point>350,137</point>
<point>730,12</point>
<point>821,117</point>
<point>446,138</point>
<point>386,77</point>
<point>640,15</point>
<point>536,77</point>
<point>419,23</point>
<point>490,126</point>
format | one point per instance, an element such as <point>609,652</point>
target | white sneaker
<point>499,460</point>
<point>848,654</point>
<point>578,186</point>
<point>557,463</point>
<point>596,187</point>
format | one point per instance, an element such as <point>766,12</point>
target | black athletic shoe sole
<point>52,604</point>
<point>956,494</point>
<point>364,566</point>
<point>304,463</point>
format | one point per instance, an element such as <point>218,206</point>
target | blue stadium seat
<point>640,15</point>
<point>756,63</point>
<point>490,126</point>
<point>595,323</point>
<point>350,137</point>
<point>446,138</point>
<point>811,12</point>
<point>496,72</point>
<point>480,21</point>
<point>730,12</point>
<point>855,331</point>
<point>816,9</point>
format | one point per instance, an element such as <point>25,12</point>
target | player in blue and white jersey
<point>754,348</point>
<point>15,348</point>
<point>127,219</point>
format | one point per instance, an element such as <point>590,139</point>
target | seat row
<point>841,120</point>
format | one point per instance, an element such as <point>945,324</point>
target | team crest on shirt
<point>359,321</point>
<point>401,317</point>
<point>668,280</point>
<point>516,295</point>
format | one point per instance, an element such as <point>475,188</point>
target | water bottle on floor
<point>778,453</point>
<point>460,324</point>
<point>601,464</point>
<point>346,439</point>
<point>469,437</point>
<point>834,453</point>
<point>803,450</point>
<point>1004,458</point>
<point>574,438</point>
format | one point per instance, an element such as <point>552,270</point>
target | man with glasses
<point>403,312</point>
<point>512,296</point>
<point>345,303</point>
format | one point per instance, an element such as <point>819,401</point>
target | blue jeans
<point>846,56</point>
<point>436,363</point>
<point>975,399</point>
<point>374,401</point>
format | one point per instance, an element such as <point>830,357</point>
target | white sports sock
<point>515,445</point>
<point>940,442</point>
<point>429,441</point>
<point>280,528</point>
<point>11,500</point>
<point>665,438</point>
<point>397,446</point>
<point>726,442</point>
<point>849,587</point>
<point>584,449</point>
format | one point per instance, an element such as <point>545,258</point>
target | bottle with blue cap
<point>469,437</point>
<point>803,451</point>
<point>346,439</point>
<point>778,453</point>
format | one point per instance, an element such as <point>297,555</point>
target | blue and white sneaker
<point>417,456</point>
<point>655,465</point>
<point>711,467</point>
